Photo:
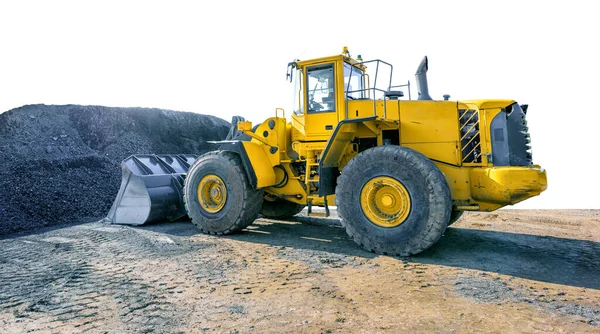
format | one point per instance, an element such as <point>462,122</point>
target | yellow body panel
<point>507,185</point>
<point>489,104</point>
<point>383,109</point>
<point>431,128</point>
<point>445,152</point>
<point>320,126</point>
<point>490,188</point>
<point>428,122</point>
<point>265,175</point>
<point>297,124</point>
<point>459,182</point>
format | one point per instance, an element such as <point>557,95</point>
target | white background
<point>228,58</point>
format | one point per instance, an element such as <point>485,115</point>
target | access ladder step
<point>317,214</point>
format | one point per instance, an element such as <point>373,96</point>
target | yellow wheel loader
<point>399,170</point>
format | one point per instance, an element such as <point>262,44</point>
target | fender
<point>335,147</point>
<point>256,164</point>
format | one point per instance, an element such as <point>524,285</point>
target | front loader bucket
<point>151,189</point>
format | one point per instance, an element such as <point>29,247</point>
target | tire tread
<point>251,203</point>
<point>438,194</point>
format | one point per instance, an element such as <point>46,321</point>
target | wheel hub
<point>212,193</point>
<point>385,201</point>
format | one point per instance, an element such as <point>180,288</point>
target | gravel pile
<point>61,164</point>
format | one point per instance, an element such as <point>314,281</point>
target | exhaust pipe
<point>421,77</point>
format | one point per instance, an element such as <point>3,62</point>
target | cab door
<point>321,102</point>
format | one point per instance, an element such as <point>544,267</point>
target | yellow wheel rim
<point>212,193</point>
<point>385,201</point>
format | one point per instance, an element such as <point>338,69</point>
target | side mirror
<point>290,71</point>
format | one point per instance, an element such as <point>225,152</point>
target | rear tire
<point>393,200</point>
<point>280,209</point>
<point>217,195</point>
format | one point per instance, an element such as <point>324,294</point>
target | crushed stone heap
<point>61,163</point>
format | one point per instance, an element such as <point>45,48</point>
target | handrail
<point>374,89</point>
<point>277,110</point>
<point>405,85</point>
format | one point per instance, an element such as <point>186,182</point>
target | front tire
<point>393,200</point>
<point>217,195</point>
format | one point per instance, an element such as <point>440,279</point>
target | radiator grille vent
<point>470,138</point>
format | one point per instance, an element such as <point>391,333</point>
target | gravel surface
<point>61,164</point>
<point>489,273</point>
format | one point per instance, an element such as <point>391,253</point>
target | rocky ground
<point>509,271</point>
<point>61,164</point>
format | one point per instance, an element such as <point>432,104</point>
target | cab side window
<point>320,88</point>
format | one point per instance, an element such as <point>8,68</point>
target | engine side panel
<point>431,128</point>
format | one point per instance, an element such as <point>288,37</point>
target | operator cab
<point>325,88</point>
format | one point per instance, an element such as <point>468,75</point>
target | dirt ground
<point>509,271</point>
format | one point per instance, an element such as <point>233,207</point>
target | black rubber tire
<point>455,216</point>
<point>242,204</point>
<point>280,209</point>
<point>431,203</point>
